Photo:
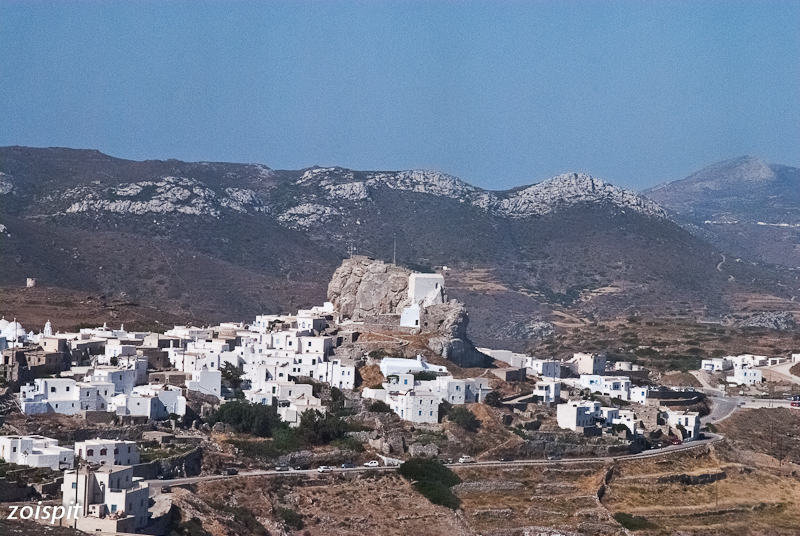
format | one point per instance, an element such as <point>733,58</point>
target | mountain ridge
<point>215,241</point>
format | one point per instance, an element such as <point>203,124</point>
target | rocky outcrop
<point>363,287</point>
<point>428,451</point>
<point>778,321</point>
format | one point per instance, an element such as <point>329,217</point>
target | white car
<point>372,463</point>
<point>466,459</point>
<point>325,469</point>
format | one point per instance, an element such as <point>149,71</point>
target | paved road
<point>711,438</point>
<point>780,372</point>
<point>722,408</point>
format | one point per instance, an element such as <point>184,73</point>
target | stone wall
<point>182,465</point>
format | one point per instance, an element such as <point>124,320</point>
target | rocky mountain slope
<point>745,206</point>
<point>214,241</point>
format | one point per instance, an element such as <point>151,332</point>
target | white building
<point>50,395</point>
<point>123,380</point>
<point>578,414</point>
<point>418,401</point>
<point>546,368</point>
<point>745,376</point>
<point>627,418</point>
<point>548,391</point>
<point>36,451</point>
<point>715,364</point>
<point>613,386</point>
<point>208,382</point>
<point>424,290</point>
<point>688,420</point>
<point>393,365</point>
<point>155,402</point>
<point>108,451</point>
<point>747,360</point>
<point>336,374</point>
<point>639,394</point>
<point>507,356</point>
<point>111,499</point>
<point>609,414</point>
<point>582,363</point>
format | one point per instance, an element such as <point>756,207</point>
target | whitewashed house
<point>155,402</point>
<point>123,380</point>
<point>394,365</point>
<point>582,363</point>
<point>35,451</point>
<point>716,364</point>
<point>578,414</point>
<point>108,451</point>
<point>546,368</point>
<point>50,395</point>
<point>110,499</point>
<point>205,381</point>
<point>688,420</point>
<point>548,391</point>
<point>336,374</point>
<point>627,418</point>
<point>613,386</point>
<point>745,376</point>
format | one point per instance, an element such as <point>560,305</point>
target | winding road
<point>710,438</point>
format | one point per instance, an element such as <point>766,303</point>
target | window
<point>116,450</point>
<point>68,388</point>
<point>129,450</point>
<point>90,452</point>
<point>420,414</point>
<point>113,508</point>
<point>405,382</point>
<point>74,485</point>
<point>52,389</point>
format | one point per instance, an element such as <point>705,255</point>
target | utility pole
<point>394,254</point>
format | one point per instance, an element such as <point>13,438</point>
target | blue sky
<point>497,93</point>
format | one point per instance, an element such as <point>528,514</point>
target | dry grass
<point>331,505</point>
<point>750,500</point>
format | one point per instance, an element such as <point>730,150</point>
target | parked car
<point>166,489</point>
<point>506,458</point>
<point>325,469</point>
<point>231,471</point>
<point>347,465</point>
<point>165,476</point>
<point>554,457</point>
<point>466,459</point>
<point>281,467</point>
<point>676,441</point>
<point>372,463</point>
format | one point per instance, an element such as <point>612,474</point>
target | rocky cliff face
<point>363,288</point>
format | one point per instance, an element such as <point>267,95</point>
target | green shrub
<point>433,480</point>
<point>464,418</point>
<point>634,522</point>
<point>290,517</point>
<point>257,419</point>
<point>348,443</point>
<point>492,399</point>
<point>379,406</point>
<point>438,493</point>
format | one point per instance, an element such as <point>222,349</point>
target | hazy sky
<point>498,93</point>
